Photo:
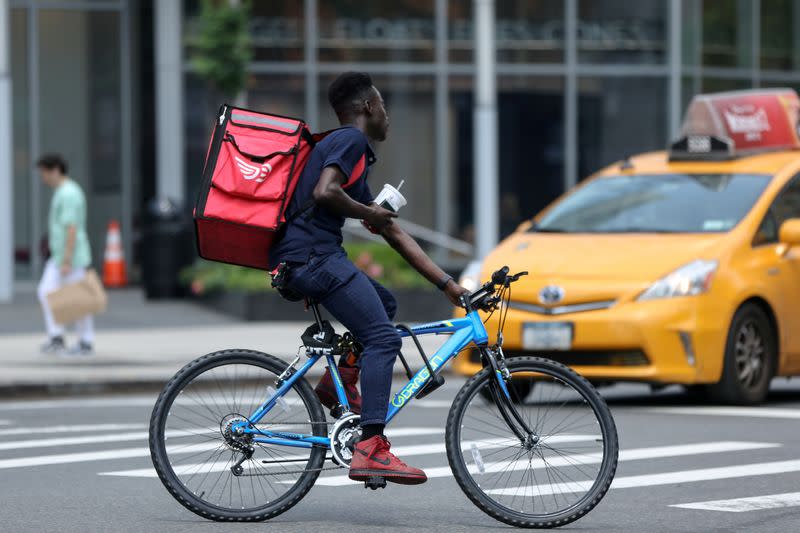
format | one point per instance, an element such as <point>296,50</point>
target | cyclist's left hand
<point>453,291</point>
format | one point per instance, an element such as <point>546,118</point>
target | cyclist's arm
<point>329,194</point>
<point>411,251</point>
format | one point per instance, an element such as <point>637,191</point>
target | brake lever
<point>518,275</point>
<point>490,304</point>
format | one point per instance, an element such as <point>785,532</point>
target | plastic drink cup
<point>391,198</point>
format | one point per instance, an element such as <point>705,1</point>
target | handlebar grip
<point>500,276</point>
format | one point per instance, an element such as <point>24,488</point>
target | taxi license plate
<point>547,335</point>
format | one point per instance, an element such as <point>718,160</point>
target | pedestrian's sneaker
<point>326,391</point>
<point>82,348</point>
<point>372,458</point>
<point>54,346</point>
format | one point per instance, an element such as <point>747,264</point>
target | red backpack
<point>252,167</point>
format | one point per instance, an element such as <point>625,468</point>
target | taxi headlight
<point>471,277</point>
<point>690,279</point>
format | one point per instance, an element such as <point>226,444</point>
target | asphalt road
<point>63,466</point>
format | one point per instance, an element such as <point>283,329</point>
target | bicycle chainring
<point>344,435</point>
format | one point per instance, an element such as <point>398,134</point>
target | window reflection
<point>618,117</point>
<point>531,156</point>
<point>780,49</point>
<point>727,33</point>
<point>526,31</point>
<point>616,31</point>
<point>352,30</point>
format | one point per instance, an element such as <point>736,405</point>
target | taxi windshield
<point>661,203</point>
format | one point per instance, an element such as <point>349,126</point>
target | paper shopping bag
<point>76,300</point>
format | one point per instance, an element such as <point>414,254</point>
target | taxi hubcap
<point>749,354</point>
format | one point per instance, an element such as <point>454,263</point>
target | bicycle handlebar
<point>485,298</point>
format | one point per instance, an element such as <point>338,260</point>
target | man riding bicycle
<point>335,178</point>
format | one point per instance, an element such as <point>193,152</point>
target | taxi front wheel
<point>750,354</point>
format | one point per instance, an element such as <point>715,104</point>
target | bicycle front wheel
<point>546,481</point>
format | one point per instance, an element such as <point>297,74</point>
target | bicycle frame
<point>464,331</point>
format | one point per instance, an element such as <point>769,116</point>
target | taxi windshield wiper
<point>635,229</point>
<point>548,230</point>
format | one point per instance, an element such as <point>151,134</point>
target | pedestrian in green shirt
<point>70,254</point>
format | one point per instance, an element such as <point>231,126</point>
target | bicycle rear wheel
<point>540,483</point>
<point>197,456</point>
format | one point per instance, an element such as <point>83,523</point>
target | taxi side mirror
<point>789,233</point>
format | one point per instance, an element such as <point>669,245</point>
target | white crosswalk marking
<point>753,412</point>
<point>83,457</point>
<point>148,401</point>
<point>142,435</point>
<point>742,505</point>
<point>624,455</point>
<point>106,402</point>
<point>70,429</point>
<point>70,441</point>
<point>123,453</point>
<point>413,432</point>
<point>666,478</point>
<point>404,451</point>
<point>59,436</point>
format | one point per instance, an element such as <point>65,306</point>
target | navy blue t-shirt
<point>318,230</point>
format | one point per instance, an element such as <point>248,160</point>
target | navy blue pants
<point>366,308</point>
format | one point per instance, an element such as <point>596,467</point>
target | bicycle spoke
<point>568,452</point>
<point>202,448</point>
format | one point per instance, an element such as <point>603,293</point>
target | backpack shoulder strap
<point>307,205</point>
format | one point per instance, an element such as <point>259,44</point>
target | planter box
<point>413,305</point>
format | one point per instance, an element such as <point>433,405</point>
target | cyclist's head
<point>355,99</point>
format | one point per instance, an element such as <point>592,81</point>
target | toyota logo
<point>551,294</point>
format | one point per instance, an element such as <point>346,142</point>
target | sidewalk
<point>160,338</point>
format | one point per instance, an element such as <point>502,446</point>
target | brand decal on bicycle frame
<point>434,325</point>
<point>413,386</point>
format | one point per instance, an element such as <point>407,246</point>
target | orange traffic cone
<point>114,274</point>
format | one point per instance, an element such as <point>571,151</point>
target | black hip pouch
<point>280,279</point>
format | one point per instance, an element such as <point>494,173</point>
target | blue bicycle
<point>238,435</point>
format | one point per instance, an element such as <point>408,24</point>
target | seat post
<point>314,305</point>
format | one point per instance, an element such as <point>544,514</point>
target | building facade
<point>581,83</point>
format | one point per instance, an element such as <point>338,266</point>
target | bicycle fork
<point>502,397</point>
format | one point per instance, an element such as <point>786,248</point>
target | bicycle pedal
<point>375,482</point>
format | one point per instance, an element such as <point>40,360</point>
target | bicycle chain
<point>285,472</point>
<point>323,469</point>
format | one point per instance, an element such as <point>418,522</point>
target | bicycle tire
<point>509,516</point>
<point>171,481</point>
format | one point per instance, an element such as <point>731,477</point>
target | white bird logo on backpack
<point>253,172</point>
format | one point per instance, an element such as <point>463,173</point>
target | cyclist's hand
<point>453,291</point>
<point>379,218</point>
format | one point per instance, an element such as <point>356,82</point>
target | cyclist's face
<point>377,118</point>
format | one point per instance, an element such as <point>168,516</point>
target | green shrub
<point>378,260</point>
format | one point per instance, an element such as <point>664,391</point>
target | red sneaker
<point>326,391</point>
<point>372,458</point>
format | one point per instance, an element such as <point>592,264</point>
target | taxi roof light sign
<point>733,124</point>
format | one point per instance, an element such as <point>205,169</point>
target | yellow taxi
<point>680,266</point>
